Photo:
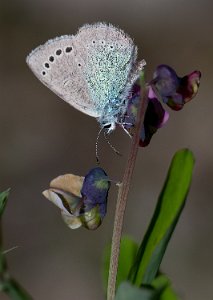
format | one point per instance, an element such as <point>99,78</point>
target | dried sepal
<point>68,182</point>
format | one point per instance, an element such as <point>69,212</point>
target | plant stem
<point>123,194</point>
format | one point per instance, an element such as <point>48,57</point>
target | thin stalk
<point>123,194</point>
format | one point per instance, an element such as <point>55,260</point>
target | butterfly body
<point>93,70</point>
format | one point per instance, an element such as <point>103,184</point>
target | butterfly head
<point>112,112</point>
<point>109,127</point>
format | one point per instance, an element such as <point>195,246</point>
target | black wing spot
<point>58,52</point>
<point>51,58</point>
<point>68,49</point>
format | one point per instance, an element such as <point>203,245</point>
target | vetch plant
<point>96,71</point>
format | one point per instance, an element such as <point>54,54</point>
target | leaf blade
<point>128,251</point>
<point>169,207</point>
<point>126,291</point>
<point>3,200</point>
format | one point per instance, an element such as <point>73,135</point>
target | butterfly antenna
<point>11,249</point>
<point>96,146</point>
<point>111,146</point>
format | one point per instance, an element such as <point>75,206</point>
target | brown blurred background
<point>42,137</point>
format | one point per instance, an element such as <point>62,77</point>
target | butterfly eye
<point>58,52</point>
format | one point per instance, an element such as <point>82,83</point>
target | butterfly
<point>93,71</point>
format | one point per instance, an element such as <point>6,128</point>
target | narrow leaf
<point>13,289</point>
<point>128,251</point>
<point>170,204</point>
<point>3,200</point>
<point>3,264</point>
<point>126,291</point>
<point>162,282</point>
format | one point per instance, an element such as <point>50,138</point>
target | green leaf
<point>162,282</point>
<point>170,204</point>
<point>168,294</point>
<point>8,285</point>
<point>14,290</point>
<point>3,263</point>
<point>128,251</point>
<point>160,289</point>
<point>126,291</point>
<point>3,200</point>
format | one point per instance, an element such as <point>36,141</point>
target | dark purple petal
<point>166,81</point>
<point>155,116</point>
<point>132,107</point>
<point>175,91</point>
<point>95,190</point>
<point>189,85</point>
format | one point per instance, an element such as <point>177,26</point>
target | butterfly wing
<point>111,55</point>
<point>90,69</point>
<point>58,64</point>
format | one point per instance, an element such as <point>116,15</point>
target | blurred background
<point>43,137</point>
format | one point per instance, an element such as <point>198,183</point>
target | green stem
<point>123,194</point>
<point>13,289</point>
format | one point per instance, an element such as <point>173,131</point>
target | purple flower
<point>166,86</point>
<point>82,200</point>
<point>95,190</point>
<point>175,91</point>
<point>155,116</point>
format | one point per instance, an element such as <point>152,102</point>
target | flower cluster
<point>170,89</point>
